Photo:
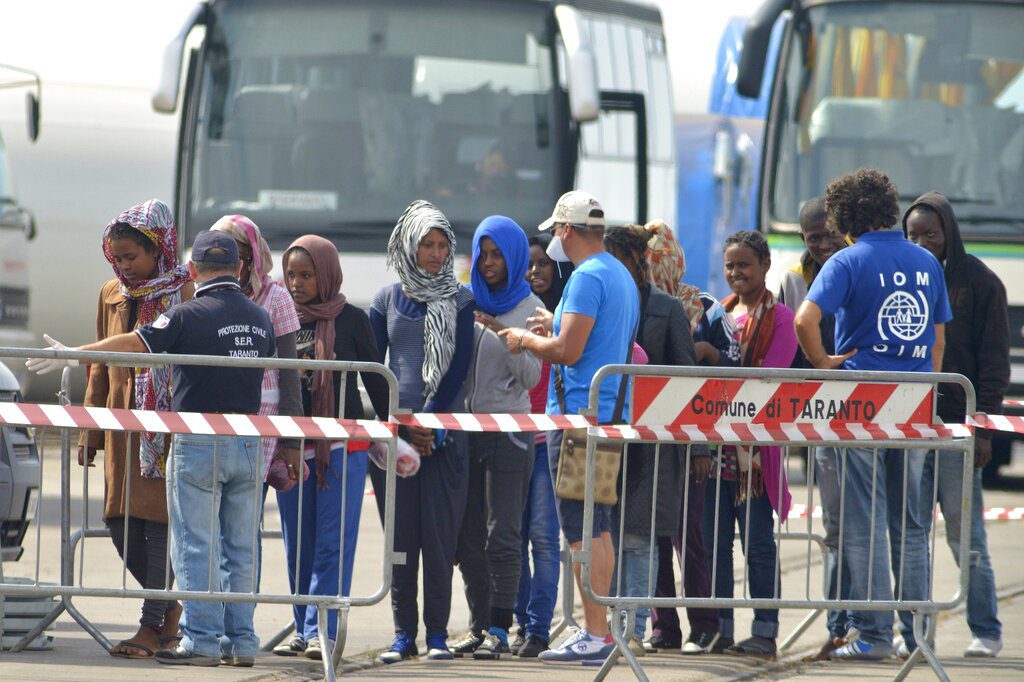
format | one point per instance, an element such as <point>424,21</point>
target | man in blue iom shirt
<point>579,341</point>
<point>889,299</point>
<point>214,480</point>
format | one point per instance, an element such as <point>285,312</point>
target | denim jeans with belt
<point>323,554</point>
<point>837,578</point>
<point>758,544</point>
<point>879,487</point>
<point>982,613</point>
<point>215,506</point>
<point>630,578</point>
<point>539,590</point>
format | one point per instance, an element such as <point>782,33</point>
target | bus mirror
<point>32,116</point>
<point>581,73</point>
<point>754,53</point>
<point>165,97</point>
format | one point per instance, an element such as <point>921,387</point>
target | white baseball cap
<point>576,208</point>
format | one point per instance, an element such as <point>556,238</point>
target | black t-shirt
<point>353,341</point>
<point>219,320</point>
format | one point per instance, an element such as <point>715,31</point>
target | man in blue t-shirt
<point>577,342</point>
<point>889,299</point>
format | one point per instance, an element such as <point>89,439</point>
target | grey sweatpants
<point>490,545</point>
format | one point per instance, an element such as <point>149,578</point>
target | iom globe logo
<point>903,316</point>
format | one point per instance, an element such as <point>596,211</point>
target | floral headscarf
<point>153,296</point>
<point>245,231</point>
<point>667,261</point>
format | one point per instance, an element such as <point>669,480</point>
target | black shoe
<point>758,647</point>
<point>491,649</point>
<point>516,644</point>
<point>466,644</point>
<point>179,656</point>
<point>698,643</point>
<point>721,645</point>
<point>237,661</point>
<point>532,647</point>
<point>658,643</point>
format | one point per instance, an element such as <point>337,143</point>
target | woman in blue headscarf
<point>500,464</point>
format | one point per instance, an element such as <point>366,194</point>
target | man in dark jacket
<point>977,346</point>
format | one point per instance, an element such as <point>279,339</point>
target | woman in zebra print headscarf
<point>421,251</point>
<point>424,324</point>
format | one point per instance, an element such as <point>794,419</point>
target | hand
<point>833,361</point>
<point>323,465</point>
<point>700,468</point>
<point>45,365</point>
<point>541,317</point>
<point>421,438</point>
<point>293,458</point>
<point>982,451</point>
<point>706,353</point>
<point>489,321</point>
<point>86,452</point>
<point>513,337</point>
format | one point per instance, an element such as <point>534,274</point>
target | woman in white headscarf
<point>425,325</point>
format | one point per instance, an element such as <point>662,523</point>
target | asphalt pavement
<point>76,656</point>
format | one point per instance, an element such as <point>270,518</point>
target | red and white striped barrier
<point>998,422</point>
<point>104,419</point>
<point>759,433</point>
<point>507,423</point>
<point>799,511</point>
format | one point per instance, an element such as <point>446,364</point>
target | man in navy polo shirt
<point>889,299</point>
<point>214,480</point>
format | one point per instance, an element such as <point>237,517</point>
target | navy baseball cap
<point>223,246</point>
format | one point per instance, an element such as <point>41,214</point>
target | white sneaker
<point>984,648</point>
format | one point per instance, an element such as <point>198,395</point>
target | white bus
<point>315,116</point>
<point>17,228</point>
<point>929,91</point>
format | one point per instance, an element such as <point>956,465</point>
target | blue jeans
<point>633,572</point>
<point>826,473</point>
<point>982,613</point>
<point>321,552</point>
<point>214,516</point>
<point>906,534</point>
<point>758,545</point>
<point>537,593</point>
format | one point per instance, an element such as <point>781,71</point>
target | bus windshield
<point>327,117</point>
<point>930,93</point>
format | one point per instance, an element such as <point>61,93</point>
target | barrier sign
<point>675,401</point>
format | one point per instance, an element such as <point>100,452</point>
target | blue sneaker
<point>437,648</point>
<point>582,648</point>
<point>402,649</point>
<point>859,650</point>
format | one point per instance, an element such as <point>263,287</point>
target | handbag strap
<point>620,400</point>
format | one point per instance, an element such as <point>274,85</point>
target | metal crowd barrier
<point>71,587</point>
<point>745,430</point>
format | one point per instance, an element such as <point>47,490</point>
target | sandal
<point>133,645</point>
<point>759,647</point>
<point>170,639</point>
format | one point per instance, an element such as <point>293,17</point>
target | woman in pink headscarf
<point>280,387</point>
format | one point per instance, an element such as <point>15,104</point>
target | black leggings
<point>147,562</point>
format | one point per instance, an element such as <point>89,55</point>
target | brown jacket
<point>114,387</point>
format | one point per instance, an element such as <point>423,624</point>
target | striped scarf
<point>437,291</point>
<point>153,296</point>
